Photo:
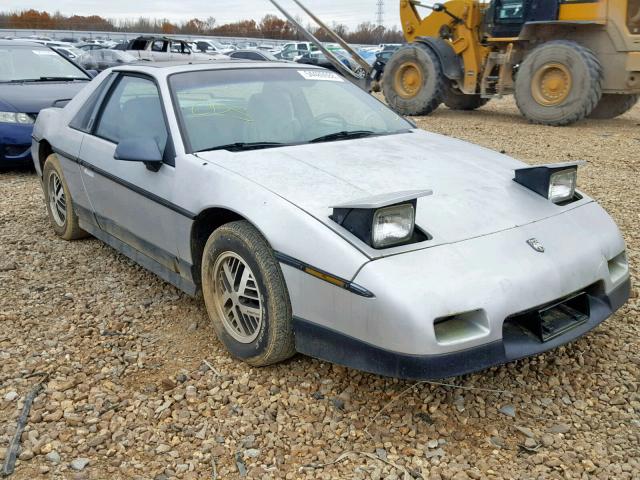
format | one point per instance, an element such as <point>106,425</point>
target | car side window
<point>254,56</point>
<point>133,110</point>
<point>158,46</point>
<point>83,119</point>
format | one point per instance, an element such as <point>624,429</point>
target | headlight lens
<point>12,117</point>
<point>392,225</point>
<point>562,185</point>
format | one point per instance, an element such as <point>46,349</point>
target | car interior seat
<point>273,118</point>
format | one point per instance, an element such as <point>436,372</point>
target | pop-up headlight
<point>556,182</point>
<point>384,220</point>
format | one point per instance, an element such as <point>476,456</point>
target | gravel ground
<point>139,387</point>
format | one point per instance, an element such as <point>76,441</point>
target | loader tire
<point>558,83</point>
<point>413,82</point>
<point>612,105</point>
<point>457,100</point>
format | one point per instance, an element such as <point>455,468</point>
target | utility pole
<point>380,13</point>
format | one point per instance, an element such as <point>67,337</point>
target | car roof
<point>22,43</point>
<point>160,69</point>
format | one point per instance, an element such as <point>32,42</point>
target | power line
<point>380,13</point>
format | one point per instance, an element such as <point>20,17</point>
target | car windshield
<point>272,107</point>
<point>33,63</point>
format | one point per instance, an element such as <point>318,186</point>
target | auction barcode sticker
<point>325,75</point>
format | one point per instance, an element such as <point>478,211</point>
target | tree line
<point>270,27</point>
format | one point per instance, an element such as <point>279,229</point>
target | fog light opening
<point>618,267</point>
<point>461,327</point>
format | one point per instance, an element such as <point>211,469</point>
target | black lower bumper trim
<point>327,344</point>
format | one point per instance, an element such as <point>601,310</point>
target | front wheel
<point>246,295</point>
<point>413,81</point>
<point>60,207</point>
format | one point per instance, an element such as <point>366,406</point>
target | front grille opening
<point>618,267</point>
<point>461,327</point>
<point>553,320</point>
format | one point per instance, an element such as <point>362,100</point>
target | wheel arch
<point>44,150</point>
<point>449,60</point>
<point>204,224</point>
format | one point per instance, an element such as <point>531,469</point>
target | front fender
<point>450,61</point>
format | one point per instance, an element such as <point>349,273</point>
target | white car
<point>165,49</point>
<point>314,219</point>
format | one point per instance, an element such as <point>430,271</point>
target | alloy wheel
<point>237,297</point>
<point>57,200</point>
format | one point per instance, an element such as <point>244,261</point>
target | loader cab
<point>505,18</point>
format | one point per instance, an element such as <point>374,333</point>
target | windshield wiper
<point>56,79</point>
<point>344,135</point>
<point>242,146</point>
<point>45,79</point>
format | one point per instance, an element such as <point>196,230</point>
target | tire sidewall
<point>52,165</point>
<point>218,244</point>
<point>431,93</point>
<point>578,103</point>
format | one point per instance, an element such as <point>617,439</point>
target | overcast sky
<point>349,12</point>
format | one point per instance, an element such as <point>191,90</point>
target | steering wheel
<point>340,123</point>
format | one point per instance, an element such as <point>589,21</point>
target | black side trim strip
<point>140,191</point>
<point>300,265</point>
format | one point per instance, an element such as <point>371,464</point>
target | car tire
<point>246,295</point>
<point>413,82</point>
<point>60,207</point>
<point>558,83</point>
<point>613,105</point>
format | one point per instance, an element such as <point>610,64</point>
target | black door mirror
<point>142,149</point>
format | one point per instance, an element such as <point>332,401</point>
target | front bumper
<point>15,145</point>
<point>320,342</point>
<point>481,283</point>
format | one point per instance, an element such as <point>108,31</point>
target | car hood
<point>33,97</point>
<point>473,189</point>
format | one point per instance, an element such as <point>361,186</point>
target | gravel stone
<point>79,463</point>
<point>124,361</point>
<point>53,457</point>
<point>11,396</point>
<point>508,410</point>
<point>560,428</point>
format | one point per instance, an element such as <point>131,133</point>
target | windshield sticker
<point>44,52</point>
<point>325,75</point>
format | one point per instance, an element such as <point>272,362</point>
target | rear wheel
<point>559,83</point>
<point>455,99</point>
<point>413,82</point>
<point>246,296</point>
<point>612,105</point>
<point>60,206</point>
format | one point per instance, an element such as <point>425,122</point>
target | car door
<point>131,202</point>
<point>160,51</point>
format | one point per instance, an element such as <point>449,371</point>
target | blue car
<point>32,77</point>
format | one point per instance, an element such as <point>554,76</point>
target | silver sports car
<point>314,219</point>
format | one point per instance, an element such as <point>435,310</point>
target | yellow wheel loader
<point>563,60</point>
